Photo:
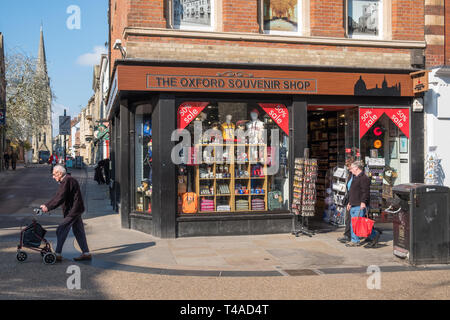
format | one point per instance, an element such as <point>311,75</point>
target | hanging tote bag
<point>362,226</point>
<point>190,202</point>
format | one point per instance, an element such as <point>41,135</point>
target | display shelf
<point>240,171</point>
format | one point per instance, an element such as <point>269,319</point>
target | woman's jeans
<point>357,212</point>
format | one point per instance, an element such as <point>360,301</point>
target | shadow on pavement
<point>126,248</point>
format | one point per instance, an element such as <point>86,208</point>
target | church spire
<point>42,60</point>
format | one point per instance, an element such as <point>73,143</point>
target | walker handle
<point>38,211</point>
<point>388,210</point>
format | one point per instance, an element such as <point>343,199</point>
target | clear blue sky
<point>70,53</point>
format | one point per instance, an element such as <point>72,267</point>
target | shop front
<point>209,149</point>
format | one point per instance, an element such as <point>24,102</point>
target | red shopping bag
<point>362,226</point>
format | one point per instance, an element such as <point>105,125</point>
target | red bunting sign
<point>401,118</point>
<point>279,113</point>
<point>188,111</point>
<point>368,117</point>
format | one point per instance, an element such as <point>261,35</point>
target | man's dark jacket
<point>359,190</point>
<point>69,196</point>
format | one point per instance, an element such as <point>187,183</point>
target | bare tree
<point>28,97</point>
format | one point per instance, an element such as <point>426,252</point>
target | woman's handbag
<point>362,226</point>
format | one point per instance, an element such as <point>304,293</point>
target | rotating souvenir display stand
<point>339,191</point>
<point>304,201</point>
<point>375,170</point>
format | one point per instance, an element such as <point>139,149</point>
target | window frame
<point>300,23</point>
<point>381,22</point>
<point>171,15</point>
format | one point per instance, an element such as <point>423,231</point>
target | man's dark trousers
<point>76,223</point>
<point>348,221</point>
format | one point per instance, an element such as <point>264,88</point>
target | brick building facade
<point>237,35</point>
<point>317,59</point>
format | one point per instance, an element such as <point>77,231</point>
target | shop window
<point>234,159</point>
<point>365,18</point>
<point>282,17</point>
<point>193,14</point>
<point>143,162</point>
<point>384,142</point>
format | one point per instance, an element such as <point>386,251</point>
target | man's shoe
<point>344,239</point>
<point>374,242</point>
<point>353,244</point>
<point>83,257</point>
<point>59,258</point>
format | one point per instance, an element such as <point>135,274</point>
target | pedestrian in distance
<point>14,157</point>
<point>6,158</point>
<point>53,161</point>
<point>358,202</point>
<point>106,171</point>
<point>98,176</point>
<point>69,197</point>
<point>347,233</point>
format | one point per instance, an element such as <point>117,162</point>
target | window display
<point>143,173</point>
<point>240,158</point>
<point>383,131</point>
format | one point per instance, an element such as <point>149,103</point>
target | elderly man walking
<point>69,196</point>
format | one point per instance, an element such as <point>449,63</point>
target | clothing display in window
<point>228,129</point>
<point>231,171</point>
<point>255,128</point>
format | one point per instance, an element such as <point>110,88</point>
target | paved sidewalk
<point>270,255</point>
<point>115,248</point>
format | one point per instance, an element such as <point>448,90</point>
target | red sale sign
<point>401,118</point>
<point>368,117</point>
<point>188,111</point>
<point>279,113</point>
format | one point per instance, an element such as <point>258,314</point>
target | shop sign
<point>173,78</point>
<point>102,132</point>
<point>113,91</point>
<point>231,81</point>
<point>420,81</point>
<point>188,111</point>
<point>279,113</point>
<point>368,117</point>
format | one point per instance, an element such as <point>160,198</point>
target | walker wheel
<point>49,258</point>
<point>21,256</point>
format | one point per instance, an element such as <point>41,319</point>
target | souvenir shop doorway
<point>332,139</point>
<point>377,136</point>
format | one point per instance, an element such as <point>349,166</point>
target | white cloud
<point>92,58</point>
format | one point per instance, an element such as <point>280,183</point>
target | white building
<point>437,121</point>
